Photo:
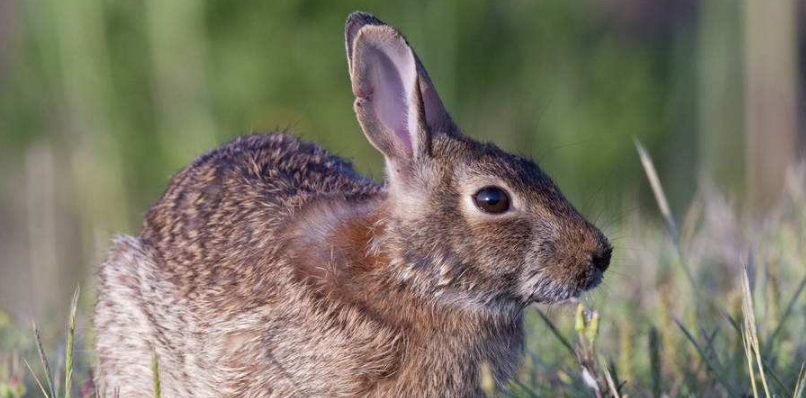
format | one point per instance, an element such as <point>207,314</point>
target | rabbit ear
<point>396,104</point>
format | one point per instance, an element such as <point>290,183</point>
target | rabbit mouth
<point>542,289</point>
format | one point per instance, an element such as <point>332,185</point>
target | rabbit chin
<point>543,289</point>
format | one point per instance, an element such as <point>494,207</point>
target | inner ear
<point>392,78</point>
<point>388,102</point>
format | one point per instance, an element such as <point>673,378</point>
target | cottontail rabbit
<point>270,268</point>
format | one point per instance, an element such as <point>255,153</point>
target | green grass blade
<point>800,383</point>
<point>655,362</point>
<point>610,383</point>
<point>71,334</point>
<point>556,333</point>
<point>657,188</point>
<point>43,359</point>
<point>732,322</point>
<point>523,388</point>
<point>787,312</point>
<point>155,365</point>
<point>663,205</point>
<point>752,331</point>
<point>710,365</point>
<point>749,355</point>
<point>36,379</point>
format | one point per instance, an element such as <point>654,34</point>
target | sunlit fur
<point>269,268</point>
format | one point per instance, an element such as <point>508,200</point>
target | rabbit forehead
<point>485,164</point>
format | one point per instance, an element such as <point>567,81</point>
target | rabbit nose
<point>600,259</point>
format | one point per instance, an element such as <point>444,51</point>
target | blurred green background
<point>102,101</point>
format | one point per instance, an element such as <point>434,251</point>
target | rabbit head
<point>466,219</point>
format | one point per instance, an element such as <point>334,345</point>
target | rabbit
<point>270,268</point>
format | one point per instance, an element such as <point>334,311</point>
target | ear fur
<point>396,103</point>
<point>388,103</point>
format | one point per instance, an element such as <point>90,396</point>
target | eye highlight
<point>491,199</point>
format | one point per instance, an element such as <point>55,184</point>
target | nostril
<point>601,258</point>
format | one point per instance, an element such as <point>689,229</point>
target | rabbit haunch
<point>270,268</point>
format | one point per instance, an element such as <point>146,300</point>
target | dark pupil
<point>492,200</point>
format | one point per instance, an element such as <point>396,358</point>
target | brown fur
<point>269,268</point>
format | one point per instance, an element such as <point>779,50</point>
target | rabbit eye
<point>492,200</point>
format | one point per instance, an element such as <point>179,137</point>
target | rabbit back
<point>206,286</point>
<point>220,223</point>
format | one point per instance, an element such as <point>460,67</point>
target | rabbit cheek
<point>498,253</point>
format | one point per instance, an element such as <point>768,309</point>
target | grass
<point>712,308</point>
<point>693,310</point>
<point>51,389</point>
